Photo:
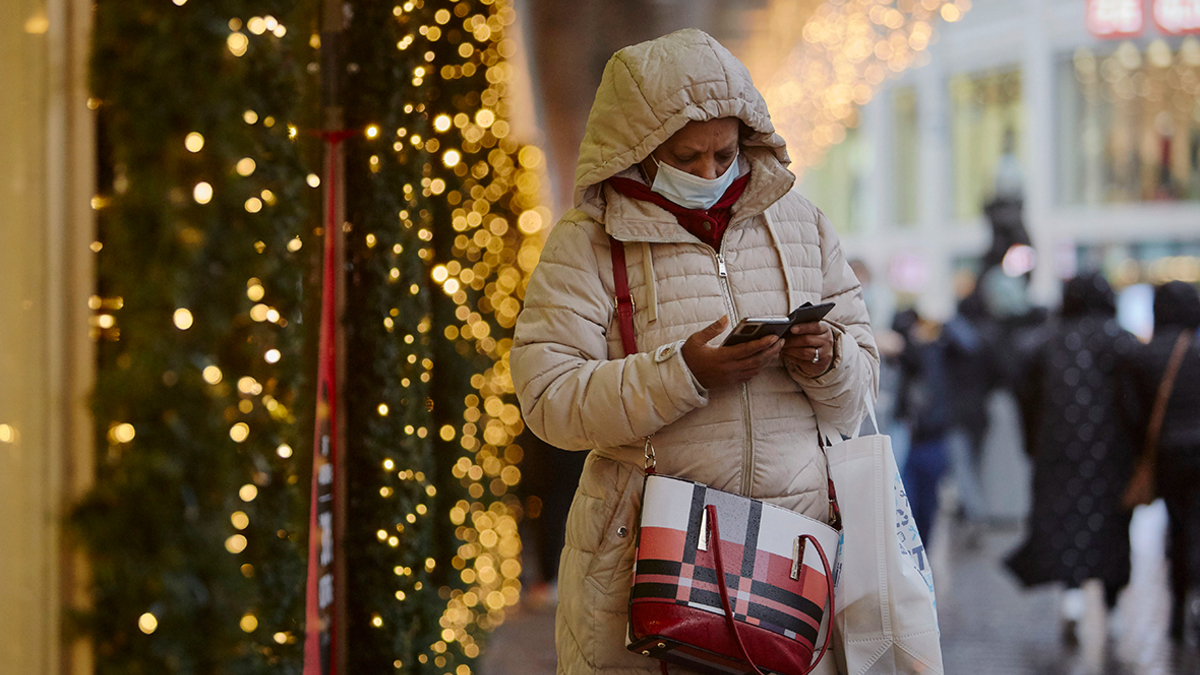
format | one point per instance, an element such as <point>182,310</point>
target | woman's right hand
<point>717,367</point>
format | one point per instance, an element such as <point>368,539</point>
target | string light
<point>849,48</point>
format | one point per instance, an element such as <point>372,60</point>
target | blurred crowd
<point>1099,411</point>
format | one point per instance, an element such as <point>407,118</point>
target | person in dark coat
<point>967,356</point>
<point>1177,311</point>
<point>1079,411</point>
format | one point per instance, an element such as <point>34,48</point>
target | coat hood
<point>652,89</point>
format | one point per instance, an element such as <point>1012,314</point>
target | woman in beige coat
<point>676,126</point>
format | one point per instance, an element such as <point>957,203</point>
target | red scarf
<point>708,226</point>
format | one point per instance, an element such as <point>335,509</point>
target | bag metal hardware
<point>651,460</point>
<point>702,541</point>
<point>797,557</point>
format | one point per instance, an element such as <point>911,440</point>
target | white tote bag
<point>886,620</point>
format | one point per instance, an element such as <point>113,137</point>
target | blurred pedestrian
<point>968,358</point>
<point>924,406</point>
<point>1176,319</point>
<point>1079,413</point>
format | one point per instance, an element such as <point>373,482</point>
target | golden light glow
<point>848,49</point>
<point>295,244</point>
<point>254,205</point>
<point>239,432</point>
<point>182,318</point>
<point>248,492</point>
<point>313,180</point>
<point>240,520</point>
<point>372,131</point>
<point>211,374</point>
<point>284,451</point>
<point>249,623</point>
<point>245,166</point>
<point>147,623</point>
<point>194,142</point>
<point>235,544</point>
<point>272,356</point>
<point>202,192</point>
<point>122,433</point>
<point>8,434</point>
<point>237,44</point>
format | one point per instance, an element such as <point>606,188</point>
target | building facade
<point>1100,136</point>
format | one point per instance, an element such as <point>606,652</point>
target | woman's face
<point>704,149</point>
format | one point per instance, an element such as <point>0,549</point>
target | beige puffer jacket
<point>579,391</point>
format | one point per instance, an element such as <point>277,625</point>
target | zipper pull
<point>721,271</point>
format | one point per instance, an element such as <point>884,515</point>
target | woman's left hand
<point>809,347</point>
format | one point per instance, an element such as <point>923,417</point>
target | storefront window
<point>835,185</point>
<point>986,121</point>
<point>1129,123</point>
<point>905,154</point>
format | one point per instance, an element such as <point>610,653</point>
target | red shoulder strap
<point>624,299</point>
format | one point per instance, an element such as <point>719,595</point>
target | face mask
<point>690,191</point>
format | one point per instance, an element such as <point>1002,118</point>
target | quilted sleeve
<point>571,394</point>
<point>838,396</point>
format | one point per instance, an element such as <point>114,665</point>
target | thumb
<point>712,330</point>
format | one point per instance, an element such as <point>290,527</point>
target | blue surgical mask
<point>691,191</point>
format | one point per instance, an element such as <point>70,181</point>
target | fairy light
<point>848,49</point>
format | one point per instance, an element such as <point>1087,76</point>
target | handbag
<point>886,620</point>
<point>722,583</point>
<point>1140,490</point>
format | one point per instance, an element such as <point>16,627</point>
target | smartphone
<point>753,328</point>
<point>807,313</point>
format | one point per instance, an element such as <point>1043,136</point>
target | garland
<point>208,284</point>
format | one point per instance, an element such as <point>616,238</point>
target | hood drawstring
<point>651,282</point>
<point>792,301</point>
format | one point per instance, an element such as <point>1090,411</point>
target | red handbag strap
<point>729,620</point>
<point>624,299</point>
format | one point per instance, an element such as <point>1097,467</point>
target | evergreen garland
<point>210,235</point>
<point>195,528</point>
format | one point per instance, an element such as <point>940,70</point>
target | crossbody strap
<point>623,297</point>
<point>1165,387</point>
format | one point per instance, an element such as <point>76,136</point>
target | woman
<point>1176,312</point>
<point>1079,417</point>
<point>680,163</point>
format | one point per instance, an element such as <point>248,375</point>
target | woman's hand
<point>809,347</point>
<point>717,367</point>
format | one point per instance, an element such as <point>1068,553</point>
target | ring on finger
<point>816,354</point>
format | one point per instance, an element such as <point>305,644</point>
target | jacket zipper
<point>747,484</point>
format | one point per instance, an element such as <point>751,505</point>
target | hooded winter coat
<point>578,389</point>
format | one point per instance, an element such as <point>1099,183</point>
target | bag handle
<point>729,620</point>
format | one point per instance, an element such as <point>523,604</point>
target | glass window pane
<point>986,122</point>
<point>835,185</point>
<point>905,153</point>
<point>1129,123</point>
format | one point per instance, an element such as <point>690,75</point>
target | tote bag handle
<point>729,620</point>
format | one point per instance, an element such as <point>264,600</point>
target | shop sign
<point>1177,17</point>
<point>1116,18</point>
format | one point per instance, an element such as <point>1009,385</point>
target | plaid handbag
<point>719,577</point>
<point>726,584</point>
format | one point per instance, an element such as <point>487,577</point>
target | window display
<point>1129,123</point>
